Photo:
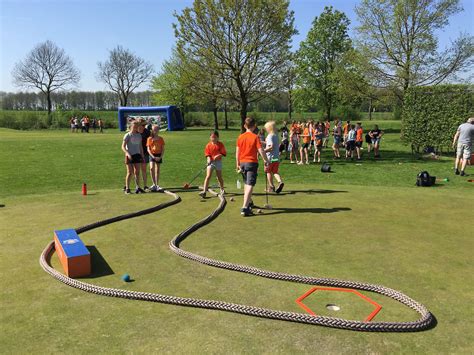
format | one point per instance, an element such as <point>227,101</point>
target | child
<point>214,152</point>
<point>273,154</point>
<point>133,149</point>
<point>294,144</point>
<point>246,156</point>
<point>376,135</point>
<point>145,133</point>
<point>337,132</point>
<point>156,150</point>
<point>100,123</point>
<point>305,147</point>
<point>359,139</point>
<point>285,143</point>
<point>350,142</point>
<point>318,141</point>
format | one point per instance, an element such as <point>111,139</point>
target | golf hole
<point>333,307</point>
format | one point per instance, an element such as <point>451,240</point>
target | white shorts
<point>215,165</point>
<point>464,151</point>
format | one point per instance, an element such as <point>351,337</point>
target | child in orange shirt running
<point>246,158</point>
<point>214,152</point>
<point>156,149</point>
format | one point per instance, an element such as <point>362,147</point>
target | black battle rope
<point>425,321</point>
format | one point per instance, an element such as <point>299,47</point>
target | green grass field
<point>363,222</point>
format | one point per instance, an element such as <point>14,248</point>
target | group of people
<point>303,140</point>
<point>143,145</point>
<point>86,124</point>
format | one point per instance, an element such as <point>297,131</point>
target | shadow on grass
<point>100,267</point>
<point>290,192</point>
<point>301,210</point>
<point>2,205</point>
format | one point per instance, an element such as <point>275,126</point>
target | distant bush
<point>432,114</point>
<point>346,113</point>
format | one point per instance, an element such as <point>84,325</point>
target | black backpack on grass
<point>424,179</point>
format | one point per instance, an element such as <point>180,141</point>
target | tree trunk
<point>370,109</point>
<point>290,105</point>
<point>50,105</point>
<point>243,114</point>
<point>226,121</point>
<point>216,121</point>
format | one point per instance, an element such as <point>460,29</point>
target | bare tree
<point>124,72</point>
<point>399,40</point>
<point>47,68</point>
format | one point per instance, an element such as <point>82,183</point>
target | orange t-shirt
<point>346,129</point>
<point>306,137</point>
<point>359,135</point>
<point>248,144</point>
<point>212,150</point>
<point>155,145</point>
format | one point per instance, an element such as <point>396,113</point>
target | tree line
<point>238,53</point>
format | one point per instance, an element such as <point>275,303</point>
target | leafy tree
<point>320,56</point>
<point>47,68</point>
<point>124,72</point>
<point>248,40</point>
<point>172,85</point>
<point>398,38</point>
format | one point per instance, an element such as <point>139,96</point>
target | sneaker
<point>463,173</point>
<point>280,187</point>
<point>139,190</point>
<point>202,194</point>
<point>300,163</point>
<point>292,162</point>
<point>146,188</point>
<point>307,163</point>
<point>127,191</point>
<point>246,212</point>
<point>456,171</point>
<point>159,189</point>
<point>154,188</point>
<point>314,161</point>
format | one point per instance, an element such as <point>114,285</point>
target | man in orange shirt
<point>246,157</point>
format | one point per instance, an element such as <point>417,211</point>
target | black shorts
<point>156,156</point>
<point>249,173</point>
<point>359,144</point>
<point>368,140</point>
<point>350,145</point>
<point>305,146</point>
<point>136,159</point>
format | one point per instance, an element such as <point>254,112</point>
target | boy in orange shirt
<point>214,152</point>
<point>156,149</point>
<point>359,139</point>
<point>246,158</point>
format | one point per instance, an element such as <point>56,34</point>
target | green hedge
<point>432,114</point>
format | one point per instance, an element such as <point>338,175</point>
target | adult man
<point>246,158</point>
<point>463,136</point>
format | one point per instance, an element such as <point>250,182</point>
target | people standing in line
<point>145,133</point>
<point>273,155</point>
<point>463,137</point>
<point>375,136</point>
<point>359,140</point>
<point>134,156</point>
<point>214,152</point>
<point>337,133</point>
<point>248,148</point>
<point>156,150</point>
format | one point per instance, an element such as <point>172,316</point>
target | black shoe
<point>280,187</point>
<point>251,204</point>
<point>139,191</point>
<point>127,191</point>
<point>146,188</point>
<point>456,171</point>
<point>202,194</point>
<point>463,173</point>
<point>246,212</point>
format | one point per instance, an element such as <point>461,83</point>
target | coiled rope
<point>425,321</point>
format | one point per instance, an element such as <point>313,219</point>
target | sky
<point>88,29</point>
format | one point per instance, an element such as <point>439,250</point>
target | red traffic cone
<point>84,189</point>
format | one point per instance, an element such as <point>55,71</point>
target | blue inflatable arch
<point>170,114</point>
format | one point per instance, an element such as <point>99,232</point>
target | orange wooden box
<point>74,256</point>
